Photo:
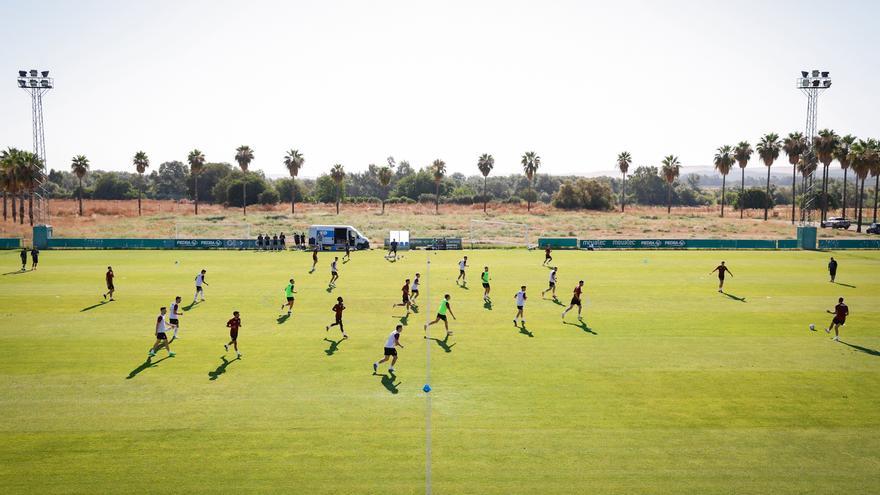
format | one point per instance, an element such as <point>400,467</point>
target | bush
<point>230,189</point>
<point>514,200</point>
<point>400,200</point>
<point>754,198</point>
<point>325,190</point>
<point>288,187</point>
<point>427,198</point>
<point>591,194</point>
<point>111,186</point>
<point>269,197</point>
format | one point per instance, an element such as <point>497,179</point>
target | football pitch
<point>669,386</point>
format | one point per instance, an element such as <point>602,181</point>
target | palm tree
<point>244,155</point>
<point>841,153</point>
<point>724,160</point>
<point>8,161</point>
<point>624,160</point>
<point>874,167</point>
<point>486,163</point>
<point>768,149</point>
<point>294,161</point>
<point>196,161</point>
<point>385,174</point>
<point>337,173</point>
<point>31,173</point>
<point>80,166</point>
<point>794,146</point>
<point>670,170</point>
<point>438,168</point>
<point>141,163</point>
<point>860,160</point>
<point>825,144</point>
<point>530,163</point>
<point>742,153</point>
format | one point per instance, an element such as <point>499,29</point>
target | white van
<point>334,237</point>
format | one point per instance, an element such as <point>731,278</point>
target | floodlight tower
<point>36,84</point>
<point>811,83</point>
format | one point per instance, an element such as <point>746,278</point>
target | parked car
<point>836,223</point>
<point>874,228</point>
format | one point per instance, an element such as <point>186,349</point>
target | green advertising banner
<point>849,243</point>
<point>7,243</point>
<point>87,243</point>
<point>678,244</point>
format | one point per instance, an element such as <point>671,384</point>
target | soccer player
<point>334,272</point>
<point>575,300</point>
<point>23,255</point>
<point>35,257</point>
<point>552,286</point>
<point>174,317</point>
<point>288,292</point>
<point>547,257</point>
<point>392,252</point>
<point>233,325</point>
<point>414,290</point>
<point>161,338</point>
<point>200,281</point>
<point>405,302</point>
<point>314,258</point>
<point>108,277</point>
<point>832,268</point>
<point>485,278</point>
<point>259,242</point>
<point>520,305</point>
<point>721,269</point>
<point>441,314</point>
<point>282,242</point>
<point>840,313</point>
<point>462,264</point>
<point>347,255</point>
<point>391,345</point>
<point>338,308</point>
<point>274,242</point>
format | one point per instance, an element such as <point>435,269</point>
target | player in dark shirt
<point>35,257</point>
<point>404,300</point>
<point>832,268</point>
<point>233,325</point>
<point>575,300</point>
<point>841,311</point>
<point>547,257</point>
<point>338,308</point>
<point>23,258</point>
<point>108,277</point>
<point>259,241</point>
<point>721,269</point>
<point>347,255</point>
<point>314,258</point>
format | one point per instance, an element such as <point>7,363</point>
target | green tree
<point>196,161</point>
<point>768,149</point>
<point>244,155</point>
<point>294,161</point>
<point>670,169</point>
<point>742,154</point>
<point>112,185</point>
<point>794,146</point>
<point>862,155</point>
<point>30,173</point>
<point>841,153</point>
<point>80,166</point>
<point>530,163</point>
<point>210,175</point>
<point>141,163</point>
<point>724,160</point>
<point>337,173</point>
<point>485,163</point>
<point>624,160</point>
<point>825,144</point>
<point>7,160</point>
<point>385,175</point>
<point>438,169</point>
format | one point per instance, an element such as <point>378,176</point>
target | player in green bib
<point>441,314</point>
<point>486,288</point>
<point>288,291</point>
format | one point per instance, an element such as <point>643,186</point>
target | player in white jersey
<point>552,287</point>
<point>334,272</point>
<point>174,317</point>
<point>462,264</point>
<point>391,345</point>
<point>200,281</point>
<point>520,305</point>
<point>414,289</point>
<point>161,338</point>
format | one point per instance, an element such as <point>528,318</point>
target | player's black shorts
<point>441,317</point>
<point>485,285</point>
<point>405,299</point>
<point>461,272</point>
<point>552,284</point>
<point>519,308</point>
<point>110,287</point>
<point>198,288</point>
<point>390,351</point>
<point>415,291</point>
<point>161,336</point>
<point>233,333</point>
<point>173,321</point>
<point>339,320</point>
<point>289,298</point>
<point>575,301</point>
<point>838,321</point>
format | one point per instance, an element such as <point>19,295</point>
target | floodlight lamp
<point>22,83</point>
<point>45,73</point>
<point>805,82</point>
<point>33,72</point>
<point>33,83</point>
<point>827,83</point>
<point>22,73</point>
<point>815,73</point>
<point>805,73</point>
<point>44,83</point>
<point>825,73</point>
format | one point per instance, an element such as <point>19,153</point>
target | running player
<point>552,287</point>
<point>721,269</point>
<point>575,300</point>
<point>334,272</point>
<point>108,277</point>
<point>832,268</point>
<point>391,345</point>
<point>547,257</point>
<point>462,264</point>
<point>35,257</point>
<point>404,300</point>
<point>520,305</point>
<point>338,308</point>
<point>840,313</point>
<point>288,292</point>
<point>200,281</point>
<point>441,314</point>
<point>233,325</point>
<point>392,251</point>
<point>174,318</point>
<point>161,338</point>
<point>314,258</point>
<point>23,255</point>
<point>414,290</point>
<point>347,255</point>
<point>486,288</point>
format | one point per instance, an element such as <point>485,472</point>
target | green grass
<point>674,389</point>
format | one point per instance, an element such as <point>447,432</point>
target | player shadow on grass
<point>845,285</point>
<point>525,331</point>
<point>149,363</point>
<point>872,352</point>
<point>443,343</point>
<point>404,320</point>
<point>281,319</point>
<point>556,302</point>
<point>582,325</point>
<point>734,297</point>
<point>388,382</point>
<point>462,285</point>
<point>93,306</point>
<point>190,306</point>
<point>487,305</point>
<point>334,346</point>
<point>18,272</point>
<point>222,368</point>
<point>330,289</point>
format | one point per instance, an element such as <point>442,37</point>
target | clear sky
<point>354,82</point>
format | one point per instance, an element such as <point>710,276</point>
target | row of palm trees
<point>20,176</point>
<point>863,156</point>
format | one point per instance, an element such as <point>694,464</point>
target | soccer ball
<point>176,262</point>
<point>812,327</point>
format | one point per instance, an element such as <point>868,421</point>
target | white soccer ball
<point>176,262</point>
<point>812,327</point>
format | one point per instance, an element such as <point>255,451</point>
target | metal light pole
<point>812,84</point>
<point>37,83</point>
